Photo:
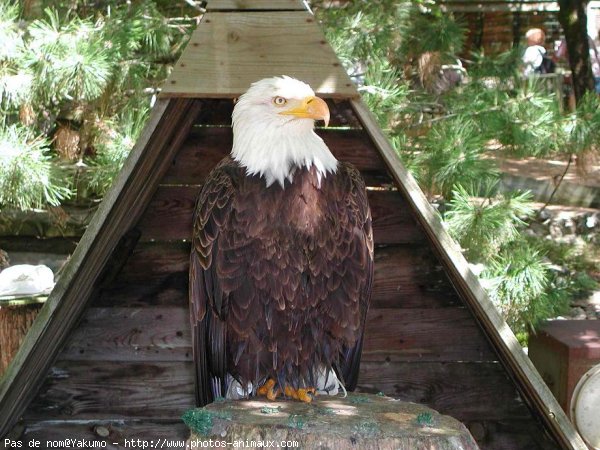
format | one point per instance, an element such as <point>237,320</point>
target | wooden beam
<point>406,276</point>
<point>232,50</point>
<point>255,5</point>
<point>527,378</point>
<point>168,125</point>
<point>169,216</point>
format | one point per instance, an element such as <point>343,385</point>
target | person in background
<point>535,52</point>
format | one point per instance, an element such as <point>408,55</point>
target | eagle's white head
<point>273,130</point>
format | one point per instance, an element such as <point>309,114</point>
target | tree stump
<point>360,421</point>
<point>16,317</point>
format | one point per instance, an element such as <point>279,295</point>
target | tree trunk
<point>361,421</point>
<point>573,19</point>
<point>14,325</point>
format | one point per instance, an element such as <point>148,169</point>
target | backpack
<point>547,65</point>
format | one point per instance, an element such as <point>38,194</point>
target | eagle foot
<point>305,395</point>
<point>268,391</point>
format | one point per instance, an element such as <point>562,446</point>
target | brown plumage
<point>280,278</point>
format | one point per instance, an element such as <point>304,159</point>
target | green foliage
<point>93,72</point>
<point>484,226</point>
<point>529,123</point>
<point>383,90</point>
<point>113,148</point>
<point>361,31</point>
<point>583,126</point>
<point>69,58</point>
<point>571,264</point>
<point>430,30</point>
<point>448,136</point>
<point>521,285</point>
<point>499,71</point>
<point>11,41</point>
<point>28,180</point>
<point>451,153</point>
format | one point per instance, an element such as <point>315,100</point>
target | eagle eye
<point>279,101</point>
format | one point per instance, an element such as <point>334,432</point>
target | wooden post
<point>16,316</point>
<point>362,421</point>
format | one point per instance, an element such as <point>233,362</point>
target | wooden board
<point>87,389</point>
<point>158,334</point>
<point>206,146</point>
<point>131,334</point>
<point>255,5</point>
<point>229,51</point>
<point>439,334</point>
<point>219,111</point>
<point>461,389</point>
<point>169,216</point>
<point>157,274</point>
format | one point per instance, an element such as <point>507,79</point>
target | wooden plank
<point>205,147</point>
<point>511,434</point>
<point>89,390</point>
<point>463,390</point>
<point>255,5</point>
<point>156,334</point>
<point>410,277</point>
<point>229,51</point>
<point>168,124</point>
<point>340,111</point>
<point>169,216</point>
<point>170,433</point>
<point>528,380</point>
<point>131,334</point>
<point>436,334</point>
<point>156,274</point>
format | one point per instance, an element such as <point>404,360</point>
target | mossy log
<point>360,421</point>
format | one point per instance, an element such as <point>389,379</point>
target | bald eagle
<point>281,265</point>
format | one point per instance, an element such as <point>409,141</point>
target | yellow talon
<point>268,391</point>
<point>304,395</point>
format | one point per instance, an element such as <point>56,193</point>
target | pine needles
<point>28,180</point>
<point>484,225</point>
<point>81,82</point>
<point>449,125</point>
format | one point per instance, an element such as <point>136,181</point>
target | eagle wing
<point>208,307</point>
<point>357,202</point>
<point>214,280</point>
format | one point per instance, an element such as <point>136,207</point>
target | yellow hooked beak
<point>310,108</point>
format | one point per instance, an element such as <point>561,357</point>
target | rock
<point>361,421</point>
<point>594,298</point>
<point>578,313</point>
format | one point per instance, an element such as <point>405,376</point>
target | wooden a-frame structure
<point>109,355</point>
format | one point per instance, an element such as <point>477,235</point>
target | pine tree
<point>70,76</point>
<point>446,124</point>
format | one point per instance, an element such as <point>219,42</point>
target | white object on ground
<point>26,279</point>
